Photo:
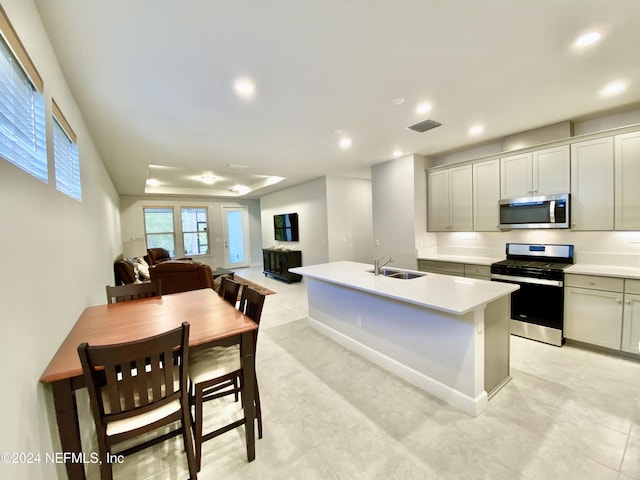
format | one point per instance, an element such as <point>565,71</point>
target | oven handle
<point>536,281</point>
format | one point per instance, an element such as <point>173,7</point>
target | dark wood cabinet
<point>278,262</point>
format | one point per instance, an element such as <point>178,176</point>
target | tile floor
<point>329,414</point>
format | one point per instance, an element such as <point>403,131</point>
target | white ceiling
<point>154,80</point>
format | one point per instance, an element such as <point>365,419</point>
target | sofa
<point>181,275</point>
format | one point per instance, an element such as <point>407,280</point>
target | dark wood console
<point>278,262</point>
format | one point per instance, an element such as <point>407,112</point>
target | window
<point>194,231</point>
<point>22,130</point>
<point>158,225</point>
<point>65,154</point>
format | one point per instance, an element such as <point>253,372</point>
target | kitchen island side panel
<point>441,353</point>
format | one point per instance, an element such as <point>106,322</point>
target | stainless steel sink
<point>401,274</point>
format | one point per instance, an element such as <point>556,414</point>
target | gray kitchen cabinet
<point>486,195</point>
<point>541,172</point>
<point>445,268</point>
<point>593,310</point>
<point>592,184</point>
<point>450,200</point>
<point>631,319</point>
<point>481,272</point>
<point>627,174</point>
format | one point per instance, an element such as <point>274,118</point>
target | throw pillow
<point>143,269</point>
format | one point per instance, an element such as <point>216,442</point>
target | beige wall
<point>56,259</point>
<point>132,222</point>
<point>309,201</point>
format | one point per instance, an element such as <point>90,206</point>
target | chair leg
<point>188,445</point>
<point>258,411</point>
<point>106,468</point>
<point>197,428</point>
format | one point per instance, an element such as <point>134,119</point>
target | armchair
<point>158,255</point>
<point>124,272</point>
<point>181,276</point>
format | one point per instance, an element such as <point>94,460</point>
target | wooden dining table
<point>213,321</point>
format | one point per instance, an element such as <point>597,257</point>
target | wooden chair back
<point>229,290</point>
<point>133,291</point>
<point>130,378</point>
<point>251,303</point>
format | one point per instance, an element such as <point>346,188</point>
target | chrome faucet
<point>379,263</point>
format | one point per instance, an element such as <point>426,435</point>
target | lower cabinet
<point>278,262</point>
<point>593,316</point>
<point>481,272</point>
<point>631,319</point>
<point>445,268</point>
<point>603,311</point>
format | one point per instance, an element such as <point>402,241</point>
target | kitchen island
<point>447,335</point>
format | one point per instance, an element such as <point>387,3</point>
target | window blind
<point>22,124</point>
<point>67,164</point>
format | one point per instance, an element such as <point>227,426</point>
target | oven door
<point>537,308</point>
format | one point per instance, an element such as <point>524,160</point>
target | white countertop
<point>462,259</point>
<point>604,270</point>
<point>441,292</point>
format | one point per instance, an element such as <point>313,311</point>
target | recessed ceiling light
<point>245,87</point>
<point>345,143</point>
<point>423,108</point>
<point>613,88</point>
<point>588,39</point>
<point>476,130</point>
<point>208,179</point>
<point>397,153</point>
<point>397,101</point>
<point>152,182</point>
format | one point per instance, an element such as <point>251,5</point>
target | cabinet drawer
<point>477,270</point>
<point>632,286</point>
<point>447,268</point>
<point>593,282</point>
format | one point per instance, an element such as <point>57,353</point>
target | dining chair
<point>217,372</point>
<point>136,388</point>
<point>133,291</point>
<point>229,290</point>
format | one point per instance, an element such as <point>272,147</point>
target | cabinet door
<point>592,185</point>
<point>515,176</point>
<point>631,324</point>
<point>551,171</point>
<point>593,316</point>
<point>438,201</point>
<point>627,191</point>
<point>461,198</point>
<point>486,194</point>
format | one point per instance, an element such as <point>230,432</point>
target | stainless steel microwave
<point>549,211</point>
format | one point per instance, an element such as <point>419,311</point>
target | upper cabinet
<point>541,172</point>
<point>627,177</point>
<point>601,174</point>
<point>450,200</point>
<point>486,195</point>
<point>592,184</point>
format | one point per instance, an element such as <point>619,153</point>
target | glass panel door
<point>236,237</point>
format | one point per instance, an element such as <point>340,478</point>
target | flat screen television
<point>286,227</point>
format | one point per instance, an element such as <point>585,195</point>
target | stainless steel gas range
<point>537,308</point>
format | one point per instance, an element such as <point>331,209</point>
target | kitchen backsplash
<point>598,248</point>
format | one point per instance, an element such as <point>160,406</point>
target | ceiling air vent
<point>424,126</point>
